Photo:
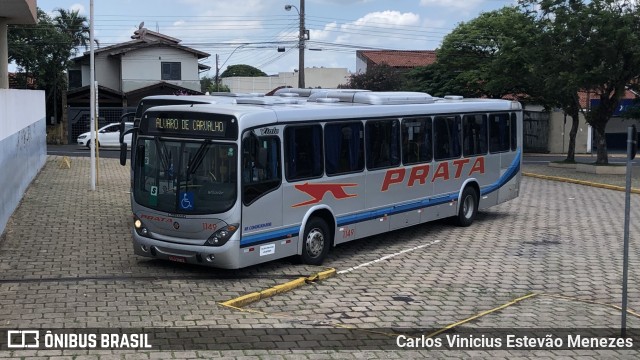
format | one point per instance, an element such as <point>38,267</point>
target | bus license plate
<point>179,259</point>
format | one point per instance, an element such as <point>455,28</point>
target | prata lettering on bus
<point>420,173</point>
<point>161,219</point>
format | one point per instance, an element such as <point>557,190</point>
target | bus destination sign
<point>212,127</point>
<point>198,125</point>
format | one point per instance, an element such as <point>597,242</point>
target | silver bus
<point>231,185</point>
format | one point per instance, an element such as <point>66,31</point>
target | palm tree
<point>75,26</point>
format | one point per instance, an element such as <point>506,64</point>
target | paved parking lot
<point>66,262</point>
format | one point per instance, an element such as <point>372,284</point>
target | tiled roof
<point>399,58</point>
<point>15,83</point>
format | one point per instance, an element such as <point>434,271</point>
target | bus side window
<point>416,140</point>
<point>474,135</point>
<point>499,132</point>
<point>446,137</point>
<point>303,151</point>
<point>344,148</point>
<point>383,144</point>
<point>514,132</point>
<point>260,166</point>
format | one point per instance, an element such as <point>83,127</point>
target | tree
<point>75,26</point>
<point>600,46</point>
<point>486,57</point>
<point>43,52</point>
<point>381,77</point>
<point>208,84</point>
<point>242,70</point>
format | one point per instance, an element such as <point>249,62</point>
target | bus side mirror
<point>123,154</point>
<point>123,118</point>
<point>123,145</point>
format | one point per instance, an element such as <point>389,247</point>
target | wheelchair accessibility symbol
<point>186,200</point>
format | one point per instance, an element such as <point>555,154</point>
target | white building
<point>150,64</point>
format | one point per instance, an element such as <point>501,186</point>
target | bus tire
<point>315,242</point>
<point>468,207</point>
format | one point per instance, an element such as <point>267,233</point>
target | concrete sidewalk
<point>616,180</point>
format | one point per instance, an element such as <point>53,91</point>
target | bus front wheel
<point>468,207</point>
<point>316,242</point>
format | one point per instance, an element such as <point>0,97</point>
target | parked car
<point>107,136</point>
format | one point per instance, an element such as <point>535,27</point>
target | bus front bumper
<point>223,257</point>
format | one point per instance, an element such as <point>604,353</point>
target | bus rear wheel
<point>316,242</point>
<point>468,207</point>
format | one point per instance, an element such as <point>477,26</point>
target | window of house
<point>75,79</point>
<point>171,71</point>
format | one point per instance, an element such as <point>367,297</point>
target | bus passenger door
<point>261,178</point>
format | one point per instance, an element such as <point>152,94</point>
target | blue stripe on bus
<point>265,237</point>
<point>512,170</point>
<point>269,236</point>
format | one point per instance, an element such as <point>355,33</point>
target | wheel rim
<point>468,206</point>
<point>315,243</point>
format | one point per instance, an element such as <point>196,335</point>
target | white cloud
<point>454,5</point>
<point>381,29</point>
<point>79,8</point>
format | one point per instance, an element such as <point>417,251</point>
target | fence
<point>536,131</point>
<point>80,117</point>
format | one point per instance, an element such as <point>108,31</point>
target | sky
<point>250,31</point>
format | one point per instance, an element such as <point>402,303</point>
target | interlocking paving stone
<point>66,261</point>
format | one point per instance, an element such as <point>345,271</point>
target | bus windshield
<point>185,177</point>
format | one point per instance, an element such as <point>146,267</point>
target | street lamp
<point>301,38</point>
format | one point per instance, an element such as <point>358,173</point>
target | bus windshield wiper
<point>199,156</point>
<point>162,154</point>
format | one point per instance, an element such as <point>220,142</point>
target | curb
<point>580,182</point>
<point>250,298</point>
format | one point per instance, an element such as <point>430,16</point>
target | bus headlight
<point>221,236</point>
<point>139,226</point>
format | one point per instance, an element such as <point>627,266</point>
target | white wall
<point>326,78</point>
<point>107,72</point>
<point>142,67</point>
<point>559,134</point>
<point>23,145</point>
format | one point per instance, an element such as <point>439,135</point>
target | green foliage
<point>593,46</point>
<point>43,51</point>
<point>242,70</point>
<point>381,77</point>
<point>486,57</point>
<point>208,84</point>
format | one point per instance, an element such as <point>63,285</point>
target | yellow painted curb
<point>250,298</point>
<point>580,182</point>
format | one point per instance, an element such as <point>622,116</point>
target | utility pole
<point>92,99</point>
<point>217,73</point>
<point>301,48</point>
<point>304,35</point>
